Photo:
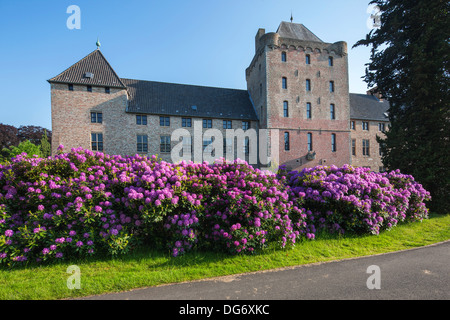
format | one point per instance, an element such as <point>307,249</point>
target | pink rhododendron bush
<point>81,203</point>
<point>356,199</point>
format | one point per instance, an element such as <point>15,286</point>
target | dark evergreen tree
<point>410,67</point>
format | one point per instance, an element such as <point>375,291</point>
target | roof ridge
<point>185,84</point>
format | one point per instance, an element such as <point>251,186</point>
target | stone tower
<point>299,87</point>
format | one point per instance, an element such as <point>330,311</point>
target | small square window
<point>70,87</point>
<point>96,117</point>
<point>227,124</point>
<point>141,119</point>
<point>207,123</point>
<point>245,125</point>
<point>365,126</point>
<point>186,122</point>
<point>107,90</point>
<point>89,88</point>
<point>164,121</point>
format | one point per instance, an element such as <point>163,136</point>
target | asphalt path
<point>415,274</point>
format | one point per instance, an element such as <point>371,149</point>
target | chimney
<point>259,34</point>
<point>374,92</point>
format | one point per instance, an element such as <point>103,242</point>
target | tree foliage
<point>410,68</point>
<point>8,136</point>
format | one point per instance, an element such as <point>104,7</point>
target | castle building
<point>297,97</point>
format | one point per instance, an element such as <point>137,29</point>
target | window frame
<point>308,59</point>
<point>89,88</point>
<point>366,147</point>
<point>245,125</point>
<point>365,125</point>
<point>164,121</point>
<point>207,123</point>
<point>165,144</point>
<point>96,117</point>
<point>283,56</point>
<point>285,109</point>
<point>308,85</point>
<point>186,122</point>
<point>309,142</point>
<point>142,143</point>
<point>227,124</point>
<point>287,142</point>
<point>332,111</point>
<point>308,110</point>
<point>333,143</point>
<point>284,84</point>
<point>140,119</point>
<point>98,141</point>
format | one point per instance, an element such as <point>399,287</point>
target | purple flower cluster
<point>356,199</point>
<point>81,203</point>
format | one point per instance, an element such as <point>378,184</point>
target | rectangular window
<point>107,90</point>
<point>352,125</point>
<point>366,147</point>
<point>308,85</point>
<point>186,122</point>
<point>284,83</point>
<point>70,87</point>
<point>207,123</point>
<point>165,144</point>
<point>142,143</point>
<point>207,145</point>
<point>286,141</point>
<point>227,146</point>
<point>97,141</point>
<point>283,56</point>
<point>260,89</point>
<point>187,145</point>
<point>331,86</point>
<point>285,109</point>
<point>381,127</point>
<point>330,61</point>
<point>245,125</point>
<point>308,59</point>
<point>310,142</point>
<point>89,88</point>
<point>365,125</point>
<point>96,117</point>
<point>141,119</point>
<point>353,147</point>
<point>246,145</point>
<point>227,124</point>
<point>332,112</point>
<point>333,142</point>
<point>308,110</point>
<point>164,121</point>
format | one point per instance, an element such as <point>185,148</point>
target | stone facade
<point>318,119</point>
<point>280,59</point>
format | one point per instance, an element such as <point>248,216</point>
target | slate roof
<point>95,63</point>
<point>178,100</point>
<point>296,31</point>
<point>368,107</point>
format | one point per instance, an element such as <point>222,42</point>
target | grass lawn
<point>147,267</point>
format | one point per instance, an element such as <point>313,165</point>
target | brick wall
<point>373,160</point>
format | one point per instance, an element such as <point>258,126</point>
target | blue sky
<point>199,42</point>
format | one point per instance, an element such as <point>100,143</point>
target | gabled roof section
<point>188,100</point>
<point>368,107</point>
<point>296,31</point>
<point>93,70</point>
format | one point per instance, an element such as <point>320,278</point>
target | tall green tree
<point>45,145</point>
<point>410,67</point>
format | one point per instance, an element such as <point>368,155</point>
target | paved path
<point>421,273</point>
